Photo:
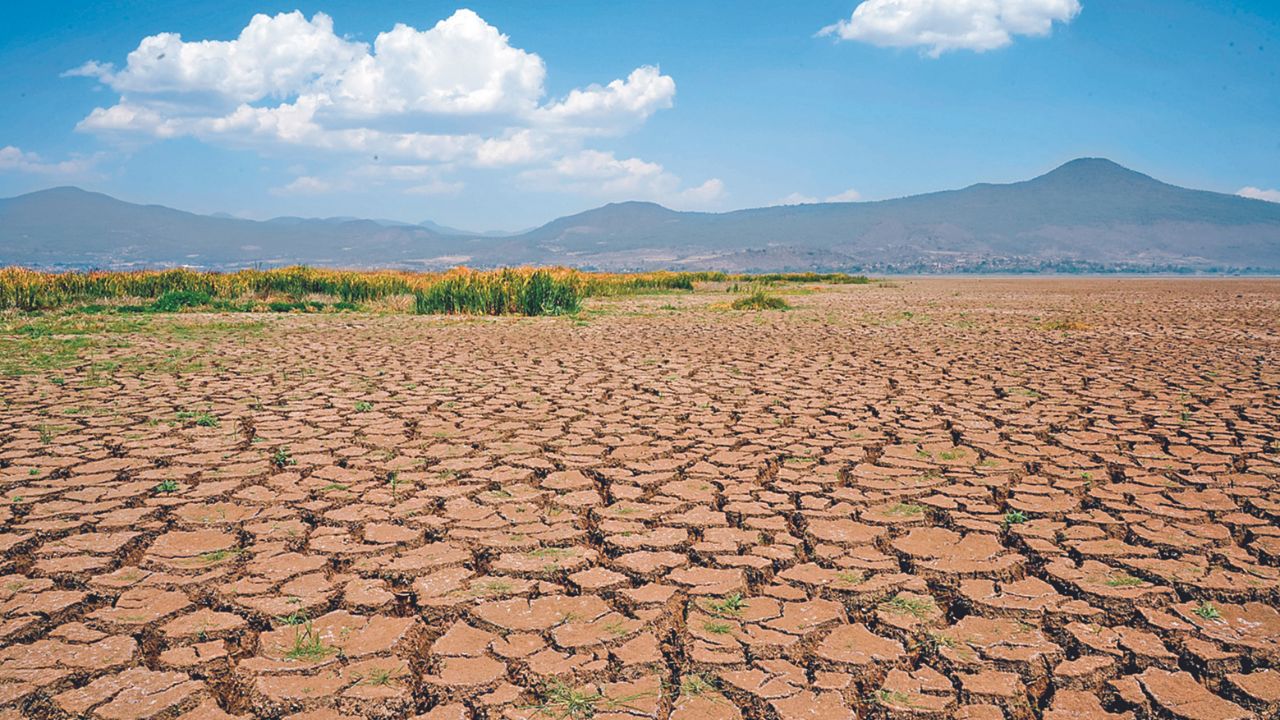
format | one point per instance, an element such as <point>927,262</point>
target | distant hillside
<point>1087,214</point>
<point>1089,211</point>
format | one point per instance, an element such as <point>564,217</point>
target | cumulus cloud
<point>15,159</point>
<point>645,91</point>
<point>940,26</point>
<point>849,195</point>
<point>1259,194</point>
<point>605,176</point>
<point>457,94</point>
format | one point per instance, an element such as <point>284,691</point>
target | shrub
<point>760,300</point>
<point>175,300</point>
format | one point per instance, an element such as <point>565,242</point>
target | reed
<point>511,291</point>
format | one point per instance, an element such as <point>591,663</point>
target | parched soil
<point>968,499</point>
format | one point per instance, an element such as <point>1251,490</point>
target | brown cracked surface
<point>905,500</point>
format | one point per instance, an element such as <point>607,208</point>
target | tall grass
<point>513,291</point>
<point>501,292</point>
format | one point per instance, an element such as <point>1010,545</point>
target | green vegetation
<point>731,604</point>
<point>175,300</point>
<point>892,697</point>
<point>564,702</point>
<point>217,556</point>
<point>1123,581</point>
<point>1208,611</point>
<point>167,486</point>
<point>904,510</point>
<point>759,300</point>
<point>517,291</point>
<point>905,605</point>
<point>1014,517</point>
<point>203,419</point>
<point>281,458</point>
<point>307,644</point>
<point>502,292</point>
<point>695,685</point>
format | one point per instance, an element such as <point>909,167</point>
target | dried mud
<point>915,499</point>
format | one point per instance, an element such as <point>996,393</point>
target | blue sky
<point>508,114</point>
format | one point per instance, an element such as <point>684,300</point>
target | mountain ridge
<point>1088,213</point>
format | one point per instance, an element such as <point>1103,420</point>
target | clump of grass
<point>564,702</point>
<point>850,577</point>
<point>501,292</point>
<point>904,605</point>
<point>176,300</point>
<point>904,510</point>
<point>203,419</point>
<point>217,556</point>
<point>297,617</point>
<point>166,486</point>
<point>695,685</point>
<point>281,458</point>
<point>731,604</point>
<point>717,628</point>
<point>364,406</point>
<point>1208,611</point>
<point>1123,581</point>
<point>307,644</point>
<point>382,676</point>
<point>892,697</point>
<point>1014,517</point>
<point>759,300</point>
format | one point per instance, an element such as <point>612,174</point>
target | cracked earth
<point>920,499</point>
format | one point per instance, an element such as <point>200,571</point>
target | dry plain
<point>912,499</point>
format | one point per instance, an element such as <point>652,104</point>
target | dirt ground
<point>915,499</point>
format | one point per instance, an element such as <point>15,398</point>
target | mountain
<point>69,227</point>
<point>1086,212</point>
<point>1089,214</point>
<point>446,230</point>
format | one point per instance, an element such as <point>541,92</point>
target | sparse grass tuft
<point>564,702</point>
<point>717,628</point>
<point>1208,611</point>
<point>904,510</point>
<point>1014,517</point>
<point>731,604</point>
<point>203,419</point>
<point>307,644</point>
<point>695,685</point>
<point>1123,581</point>
<point>282,459</point>
<point>759,300</point>
<point>903,605</point>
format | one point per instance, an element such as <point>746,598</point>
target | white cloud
<point>645,91</point>
<point>15,159</point>
<point>457,94</point>
<point>1259,194</point>
<point>462,65</point>
<point>273,57</point>
<point>945,25</point>
<point>304,185</point>
<point>849,195</point>
<point>602,175</point>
